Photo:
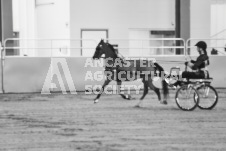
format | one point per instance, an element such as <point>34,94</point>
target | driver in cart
<point>198,66</point>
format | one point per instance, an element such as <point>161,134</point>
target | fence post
<point>2,66</point>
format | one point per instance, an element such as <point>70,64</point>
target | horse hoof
<point>137,106</point>
<point>126,97</point>
<point>96,101</point>
<point>129,97</point>
<point>163,102</point>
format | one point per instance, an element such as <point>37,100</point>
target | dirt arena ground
<point>57,122</point>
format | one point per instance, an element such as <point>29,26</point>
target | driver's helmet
<point>201,44</point>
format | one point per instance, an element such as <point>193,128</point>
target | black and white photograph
<point>113,75</point>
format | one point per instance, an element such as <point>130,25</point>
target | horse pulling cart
<point>192,92</point>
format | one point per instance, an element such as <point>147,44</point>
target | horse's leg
<point>144,93</point>
<point>127,96</point>
<point>165,96</point>
<point>119,83</point>
<point>145,90</point>
<point>150,84</point>
<point>156,90</point>
<point>106,82</point>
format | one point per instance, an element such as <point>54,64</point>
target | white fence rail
<point>86,47</point>
<point>149,47</point>
<point>214,45</point>
<point>47,47</point>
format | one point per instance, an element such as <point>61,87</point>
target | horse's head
<point>104,48</point>
<point>99,50</point>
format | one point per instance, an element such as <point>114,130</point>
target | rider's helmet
<point>201,44</point>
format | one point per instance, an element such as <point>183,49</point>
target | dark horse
<point>138,68</point>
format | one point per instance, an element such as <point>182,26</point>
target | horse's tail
<point>162,74</point>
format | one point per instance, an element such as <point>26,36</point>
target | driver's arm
<point>198,62</point>
<point>190,64</point>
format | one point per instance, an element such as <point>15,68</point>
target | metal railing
<point>145,46</point>
<point>50,46</point>
<point>190,44</point>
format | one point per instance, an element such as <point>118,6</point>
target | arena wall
<point>25,74</point>
<point>1,78</point>
<point>22,75</point>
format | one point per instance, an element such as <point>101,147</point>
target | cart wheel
<point>185,98</point>
<point>208,97</point>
